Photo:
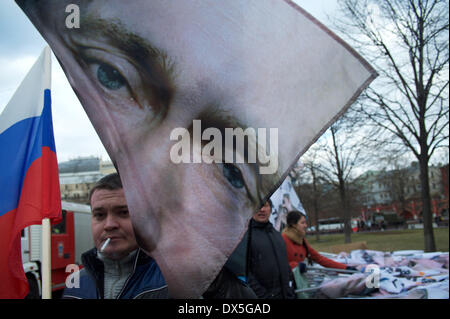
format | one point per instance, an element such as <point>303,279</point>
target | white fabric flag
<point>167,83</point>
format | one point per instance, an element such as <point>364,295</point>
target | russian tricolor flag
<point>29,182</point>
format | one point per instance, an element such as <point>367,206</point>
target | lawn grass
<point>389,240</point>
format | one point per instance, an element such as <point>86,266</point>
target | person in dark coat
<point>116,268</point>
<point>270,276</point>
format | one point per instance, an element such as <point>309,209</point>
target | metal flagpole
<point>46,227</point>
<point>344,271</point>
<point>46,260</point>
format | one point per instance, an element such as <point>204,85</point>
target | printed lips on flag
<point>29,181</point>
<point>164,81</point>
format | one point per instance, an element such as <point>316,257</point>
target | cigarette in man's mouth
<point>105,244</point>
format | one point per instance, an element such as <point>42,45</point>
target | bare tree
<point>342,151</point>
<point>407,42</point>
<point>309,186</point>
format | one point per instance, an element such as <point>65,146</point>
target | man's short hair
<point>110,182</point>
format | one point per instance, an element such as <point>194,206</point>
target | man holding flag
<point>29,181</point>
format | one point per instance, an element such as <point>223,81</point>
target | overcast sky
<point>20,46</point>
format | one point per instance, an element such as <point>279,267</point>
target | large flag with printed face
<point>204,106</point>
<point>29,181</point>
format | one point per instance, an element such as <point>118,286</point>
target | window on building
<point>61,227</point>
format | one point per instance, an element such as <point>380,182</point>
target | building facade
<point>78,176</point>
<point>399,191</point>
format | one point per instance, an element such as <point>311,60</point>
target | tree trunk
<point>315,203</point>
<point>427,214</point>
<point>342,192</point>
<point>345,213</point>
<point>316,219</point>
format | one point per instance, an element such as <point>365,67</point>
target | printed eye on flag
<point>29,181</point>
<point>169,87</point>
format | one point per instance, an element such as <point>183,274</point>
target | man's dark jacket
<point>270,276</point>
<point>145,282</point>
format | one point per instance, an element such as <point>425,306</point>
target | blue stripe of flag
<point>21,144</point>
